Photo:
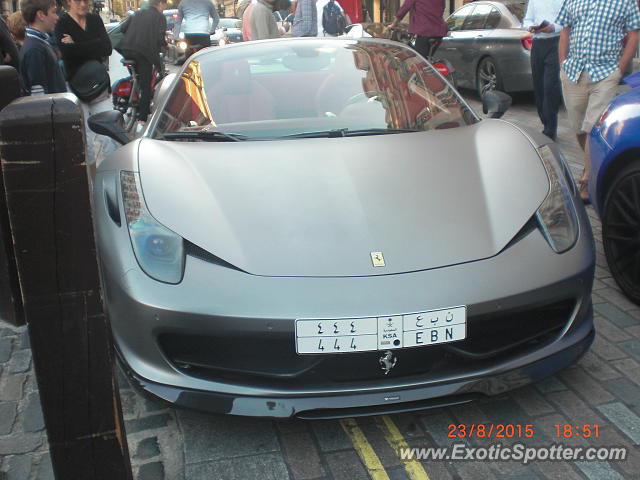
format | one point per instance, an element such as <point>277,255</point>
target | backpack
<point>333,21</point>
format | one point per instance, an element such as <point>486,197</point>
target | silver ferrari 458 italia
<point>320,228</point>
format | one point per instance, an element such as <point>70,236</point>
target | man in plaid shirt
<point>593,53</point>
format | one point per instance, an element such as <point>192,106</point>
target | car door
<point>460,47</point>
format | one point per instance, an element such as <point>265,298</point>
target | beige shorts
<point>586,100</point>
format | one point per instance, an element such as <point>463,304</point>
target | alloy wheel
<point>621,231</point>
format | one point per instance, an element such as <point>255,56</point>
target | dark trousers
<point>427,46</point>
<point>144,69</point>
<point>545,69</point>
<point>198,40</point>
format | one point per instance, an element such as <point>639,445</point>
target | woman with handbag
<point>84,46</point>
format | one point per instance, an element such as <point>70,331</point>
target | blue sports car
<point>615,185</point>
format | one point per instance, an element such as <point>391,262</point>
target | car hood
<point>320,207</point>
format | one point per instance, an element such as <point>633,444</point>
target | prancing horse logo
<point>388,361</point>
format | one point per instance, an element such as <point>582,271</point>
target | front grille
<point>270,359</point>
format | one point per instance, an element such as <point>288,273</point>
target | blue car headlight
<point>159,251</point>
<point>557,216</point>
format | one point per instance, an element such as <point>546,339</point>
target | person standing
<point>193,21</point>
<point>593,58</point>
<point>143,39</point>
<point>320,4</point>
<point>263,24</point>
<point>426,23</point>
<point>41,72</point>
<point>545,67</point>
<point>81,37</point>
<point>305,21</point>
<point>8,49</point>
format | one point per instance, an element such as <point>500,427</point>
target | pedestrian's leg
<point>144,69</point>
<point>552,90</point>
<point>537,73</point>
<point>576,99</point>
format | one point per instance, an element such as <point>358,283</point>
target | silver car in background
<point>488,48</point>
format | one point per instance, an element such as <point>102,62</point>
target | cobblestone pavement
<point>174,444</point>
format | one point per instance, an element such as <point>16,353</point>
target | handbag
<point>90,81</point>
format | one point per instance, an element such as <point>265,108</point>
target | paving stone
<point>615,315</point>
<point>301,455</point>
<point>632,347</point>
<point>599,471</point>
<point>595,299</point>
<point>151,471</point>
<point>346,465</point>
<point>479,470</point>
<point>614,295</point>
<point>436,424</point>
<point>629,367</point>
<point>597,367</point>
<point>582,383</point>
<point>147,448</point>
<point>624,419</point>
<point>577,411</point>
<point>375,437</point>
<point>128,400</point>
<point>625,391</point>
<point>19,444</point>
<point>154,405</point>
<point>147,423</point>
<point>25,341</point>
<point>8,411</point>
<point>531,401</point>
<point>397,473</point>
<point>504,410</point>
<point>33,420</point>
<point>551,384</point>
<point>330,435</point>
<point>214,437</point>
<point>286,426</point>
<point>633,331</point>
<point>44,470</point>
<point>408,424</point>
<point>18,467</point>
<point>264,467</point>
<point>20,361</point>
<point>558,471</point>
<point>609,331</point>
<point>606,349</point>
<point>6,345</point>
<point>11,389</point>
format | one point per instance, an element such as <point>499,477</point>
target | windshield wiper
<point>207,135</point>
<point>345,132</point>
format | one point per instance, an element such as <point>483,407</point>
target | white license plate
<point>344,335</point>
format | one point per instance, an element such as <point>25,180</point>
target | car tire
<point>621,230</point>
<point>487,76</point>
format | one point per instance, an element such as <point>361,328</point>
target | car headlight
<point>557,216</point>
<point>159,251</point>
<point>182,45</point>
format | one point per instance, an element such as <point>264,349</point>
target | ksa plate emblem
<point>377,259</point>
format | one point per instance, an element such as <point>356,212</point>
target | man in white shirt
<point>545,67</point>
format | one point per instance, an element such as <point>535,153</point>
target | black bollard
<point>47,193</point>
<point>10,300</point>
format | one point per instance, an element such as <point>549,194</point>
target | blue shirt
<point>597,29</point>
<point>540,10</point>
<point>305,22</point>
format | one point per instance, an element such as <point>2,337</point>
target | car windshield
<point>306,88</point>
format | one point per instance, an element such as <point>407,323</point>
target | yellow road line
<point>364,449</point>
<point>395,439</point>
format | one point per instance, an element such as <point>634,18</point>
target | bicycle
<point>126,93</point>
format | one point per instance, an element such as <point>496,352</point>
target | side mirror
<point>495,103</point>
<point>111,124</point>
